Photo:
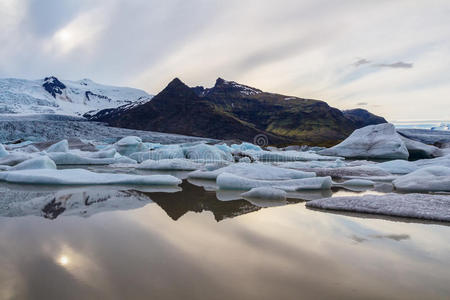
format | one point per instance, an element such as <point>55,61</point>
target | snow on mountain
<point>53,96</point>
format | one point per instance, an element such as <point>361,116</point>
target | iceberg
<point>41,162</point>
<point>356,183</point>
<point>398,166</point>
<point>164,152</point>
<point>206,153</point>
<point>13,159</point>
<point>83,177</point>
<point>228,181</point>
<point>291,155</point>
<point>253,171</point>
<point>170,164</point>
<point>3,151</point>
<point>421,150</point>
<point>246,146</point>
<point>61,146</point>
<point>61,158</point>
<point>374,141</point>
<point>421,206</point>
<point>129,145</point>
<point>428,179</point>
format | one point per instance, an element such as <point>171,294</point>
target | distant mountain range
<point>230,110</point>
<point>53,96</point>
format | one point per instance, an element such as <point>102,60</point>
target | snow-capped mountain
<point>53,96</point>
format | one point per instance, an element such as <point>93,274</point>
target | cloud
<point>397,65</point>
<point>361,61</point>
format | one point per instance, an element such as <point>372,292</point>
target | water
<point>121,243</point>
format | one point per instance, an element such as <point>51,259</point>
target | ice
<point>170,164</point>
<point>312,164</point>
<point>61,146</point>
<point>434,178</point>
<point>3,151</point>
<point>420,150</point>
<point>13,159</point>
<point>235,182</point>
<point>105,153</point>
<point>356,183</point>
<point>398,166</point>
<point>245,160</point>
<point>83,177</point>
<point>74,159</point>
<point>265,193</point>
<point>165,152</point>
<point>359,171</point>
<point>285,156</point>
<point>374,141</point>
<point>129,145</point>
<point>421,206</point>
<point>246,146</point>
<point>41,162</point>
<point>253,171</point>
<point>206,153</point>
<point>443,161</point>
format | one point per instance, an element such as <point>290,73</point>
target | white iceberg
<point>83,177</point>
<point>245,160</point>
<point>61,158</point>
<point>374,141</point>
<point>398,166</point>
<point>129,145</point>
<point>61,146</point>
<point>169,164</point>
<point>421,150</point>
<point>421,206</point>
<point>253,171</point>
<point>358,171</point>
<point>356,183</point>
<point>234,182</point>
<point>3,151</point>
<point>285,156</point>
<point>164,152</point>
<point>246,146</point>
<point>206,153</point>
<point>435,178</point>
<point>15,158</point>
<point>40,162</point>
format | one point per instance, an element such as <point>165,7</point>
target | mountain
<point>53,96</point>
<point>230,110</point>
<point>362,117</point>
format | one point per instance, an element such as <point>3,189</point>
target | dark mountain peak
<point>362,117</point>
<point>225,86</point>
<point>175,83</point>
<point>53,86</point>
<point>176,88</point>
<point>220,81</point>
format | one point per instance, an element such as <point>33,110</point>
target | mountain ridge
<point>230,110</point>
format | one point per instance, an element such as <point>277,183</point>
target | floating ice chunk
<point>359,171</point>
<point>265,193</point>
<point>41,162</point>
<point>73,159</point>
<point>312,164</point>
<point>206,153</point>
<point>164,152</point>
<point>421,206</point>
<point>254,171</point>
<point>374,141</point>
<point>443,161</point>
<point>356,183</point>
<point>28,149</point>
<point>129,145</point>
<point>170,164</point>
<point>224,148</point>
<point>3,151</point>
<point>246,146</point>
<point>234,182</point>
<point>61,146</point>
<point>284,156</point>
<point>421,150</point>
<point>435,178</point>
<point>83,177</point>
<point>106,153</point>
<point>398,166</point>
<point>245,160</point>
<point>14,158</point>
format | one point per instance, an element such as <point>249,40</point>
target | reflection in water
<point>286,252</point>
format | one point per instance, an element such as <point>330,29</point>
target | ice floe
<point>169,164</point>
<point>3,151</point>
<point>421,150</point>
<point>61,158</point>
<point>206,153</point>
<point>129,145</point>
<point>435,178</point>
<point>265,193</point>
<point>40,162</point>
<point>421,206</point>
<point>165,152</point>
<point>61,146</point>
<point>398,166</point>
<point>253,171</point>
<point>235,182</point>
<point>374,141</point>
<point>83,177</point>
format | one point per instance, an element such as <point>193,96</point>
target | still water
<point>121,243</point>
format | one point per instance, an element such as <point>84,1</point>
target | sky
<point>390,57</point>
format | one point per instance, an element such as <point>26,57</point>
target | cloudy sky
<point>391,57</point>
